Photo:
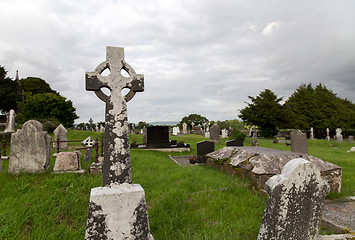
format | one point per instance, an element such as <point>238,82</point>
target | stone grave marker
<point>118,209</point>
<point>176,131</point>
<point>214,133</point>
<point>158,137</point>
<point>338,137</point>
<point>328,137</point>
<point>203,148</point>
<point>207,134</point>
<point>30,149</point>
<point>351,139</point>
<point>90,122</point>
<point>224,133</point>
<point>96,127</point>
<point>293,209</point>
<point>67,162</point>
<point>234,143</point>
<point>192,126</point>
<point>312,134</point>
<point>60,133</point>
<point>102,128</point>
<point>88,143</point>
<point>184,128</point>
<point>298,142</point>
<point>10,123</point>
<point>144,137</point>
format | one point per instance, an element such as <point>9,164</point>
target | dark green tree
<point>35,85</point>
<point>47,106</point>
<point>141,124</point>
<point>193,118</point>
<point>265,111</point>
<point>9,92</point>
<point>235,124</point>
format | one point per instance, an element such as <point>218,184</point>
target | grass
<point>194,202</point>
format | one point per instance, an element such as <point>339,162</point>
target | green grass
<point>194,202</point>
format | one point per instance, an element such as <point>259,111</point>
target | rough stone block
<point>67,161</point>
<point>118,212</point>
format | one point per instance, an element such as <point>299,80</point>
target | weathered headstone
<point>214,133</point>
<point>118,209</point>
<point>328,137</point>
<point>312,134</point>
<point>60,133</point>
<point>88,143</point>
<point>184,128</point>
<point>67,161</point>
<point>207,134</point>
<point>102,128</point>
<point>90,122</point>
<point>10,124</point>
<point>144,137</point>
<point>192,126</point>
<point>30,149</point>
<point>176,131</point>
<point>234,143</point>
<point>96,127</point>
<point>351,139</point>
<point>224,133</point>
<point>298,142</point>
<point>158,137</point>
<point>204,148</point>
<point>293,209</point>
<point>338,137</point>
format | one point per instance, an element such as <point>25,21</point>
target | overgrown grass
<point>194,202</point>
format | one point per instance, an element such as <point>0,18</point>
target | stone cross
<point>91,121</point>
<point>117,166</point>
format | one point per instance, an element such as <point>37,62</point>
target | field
<point>193,202</point>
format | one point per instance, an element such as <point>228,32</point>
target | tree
<point>142,124</point>
<point>48,105</point>
<point>35,85</point>
<point>9,92</point>
<point>265,111</point>
<point>193,118</point>
<point>235,124</point>
<point>319,108</point>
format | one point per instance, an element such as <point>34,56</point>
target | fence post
<point>102,148</point>
<point>97,150</point>
<point>58,144</point>
<point>4,145</point>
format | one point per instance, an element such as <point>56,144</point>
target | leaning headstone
<point>328,137</point>
<point>338,137</point>
<point>10,124</point>
<point>30,149</point>
<point>67,162</point>
<point>118,209</point>
<point>60,133</point>
<point>224,133</point>
<point>234,143</point>
<point>298,142</point>
<point>184,128</point>
<point>214,133</point>
<point>293,209</point>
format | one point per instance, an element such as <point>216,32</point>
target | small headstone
<point>255,134</point>
<point>351,139</point>
<point>298,142</point>
<point>224,133</point>
<point>293,209</point>
<point>88,155</point>
<point>192,125</point>
<point>234,143</point>
<point>60,133</point>
<point>173,142</point>
<point>90,122</point>
<point>184,128</point>
<point>96,127</point>
<point>328,137</point>
<point>30,149</point>
<point>214,133</point>
<point>144,137</point>
<point>102,128</point>
<point>207,134</point>
<point>158,137</point>
<point>175,131</point>
<point>67,161</point>
<point>338,137</point>
<point>312,134</point>
<point>204,148</point>
<point>207,128</point>
<point>10,123</point>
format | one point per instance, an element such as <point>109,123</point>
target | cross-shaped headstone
<point>91,121</point>
<point>117,166</point>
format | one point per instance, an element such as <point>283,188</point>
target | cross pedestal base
<point>118,212</point>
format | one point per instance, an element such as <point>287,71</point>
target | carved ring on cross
<point>125,66</point>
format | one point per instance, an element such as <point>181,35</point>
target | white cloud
<point>271,28</point>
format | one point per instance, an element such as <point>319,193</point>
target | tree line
<point>307,107</point>
<point>33,98</point>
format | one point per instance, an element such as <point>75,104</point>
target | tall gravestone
<point>293,209</point>
<point>30,149</point>
<point>118,209</point>
<point>10,123</point>
<point>158,137</point>
<point>298,142</point>
<point>224,133</point>
<point>184,128</point>
<point>214,133</point>
<point>327,137</point>
<point>338,137</point>
<point>144,137</point>
<point>60,133</point>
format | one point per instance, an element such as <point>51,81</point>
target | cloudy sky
<point>197,56</point>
